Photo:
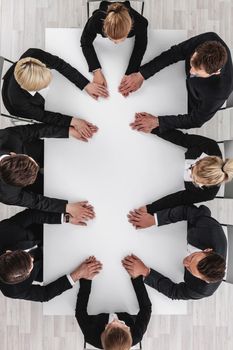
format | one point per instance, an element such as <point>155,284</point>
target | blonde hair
<point>118,22</point>
<point>31,74</point>
<point>116,338</point>
<point>213,170</point>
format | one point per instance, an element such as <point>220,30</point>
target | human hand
<point>139,218</point>
<point>96,90</point>
<point>80,212</point>
<point>145,122</point>
<point>87,269</point>
<point>83,127</point>
<point>135,267</point>
<point>131,83</point>
<point>99,78</point>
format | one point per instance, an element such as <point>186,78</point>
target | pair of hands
<point>80,212</point>
<point>128,84</point>
<point>91,267</point>
<point>139,218</point>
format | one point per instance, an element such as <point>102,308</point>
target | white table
<point>118,170</point>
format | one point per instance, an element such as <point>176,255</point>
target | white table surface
<point>118,170</point>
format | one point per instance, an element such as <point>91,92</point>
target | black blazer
<point>195,145</point>
<point>94,26</point>
<point>26,140</point>
<point>20,102</point>
<point>23,231</point>
<point>205,95</point>
<point>92,326</point>
<point>203,232</point>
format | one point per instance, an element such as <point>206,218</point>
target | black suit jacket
<point>23,231</point>
<point>94,26</point>
<point>203,232</point>
<point>26,140</point>
<point>92,326</point>
<point>195,145</point>
<point>205,95</point>
<point>20,102</point>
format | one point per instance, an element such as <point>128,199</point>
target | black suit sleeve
<point>167,287</point>
<point>175,54</point>
<point>55,62</point>
<point>184,197</point>
<point>140,45</point>
<point>145,309</point>
<point>81,314</point>
<point>88,36</point>
<point>30,133</point>
<point>48,292</point>
<point>28,217</point>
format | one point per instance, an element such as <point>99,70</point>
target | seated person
<point>21,182</point>
<point>116,21</point>
<point>113,331</point>
<point>204,266</point>
<point>209,72</point>
<point>204,172</point>
<point>21,258</point>
<point>26,85</point>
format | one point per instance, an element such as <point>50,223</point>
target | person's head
<point>117,23</point>
<point>208,59</point>
<point>18,170</point>
<point>212,170</point>
<point>31,74</point>
<point>206,265</point>
<point>15,266</point>
<point>116,336</point>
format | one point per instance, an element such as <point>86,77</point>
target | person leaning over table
<point>204,172</point>
<point>209,79</point>
<point>113,331</point>
<point>21,257</point>
<point>116,21</point>
<point>26,84</point>
<point>205,263</point>
<point>21,178</point>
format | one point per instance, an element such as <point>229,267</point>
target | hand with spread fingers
<point>96,90</point>
<point>139,218</point>
<point>80,212</point>
<point>88,269</point>
<point>135,267</point>
<point>145,122</point>
<point>82,129</point>
<point>131,83</point>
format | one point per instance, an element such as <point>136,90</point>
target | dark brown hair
<point>15,266</point>
<point>116,338</point>
<point>18,170</point>
<point>212,267</point>
<point>211,56</point>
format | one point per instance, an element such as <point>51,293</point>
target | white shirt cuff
<point>156,219</point>
<point>70,280</point>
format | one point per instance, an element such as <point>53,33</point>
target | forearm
<point>82,301</point>
<point>40,202</point>
<point>137,54</point>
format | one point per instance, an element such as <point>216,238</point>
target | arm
<point>167,287</point>
<point>82,301</point>
<point>34,132</point>
<point>184,197</point>
<point>139,47</point>
<point>88,36</point>
<point>145,309</point>
<point>176,53</point>
<point>48,292</point>
<point>55,62</point>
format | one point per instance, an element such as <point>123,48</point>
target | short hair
<point>211,56</point>
<point>31,74</point>
<point>15,266</point>
<point>117,23</point>
<point>214,170</point>
<point>116,338</point>
<point>212,267</point>
<point>18,170</point>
